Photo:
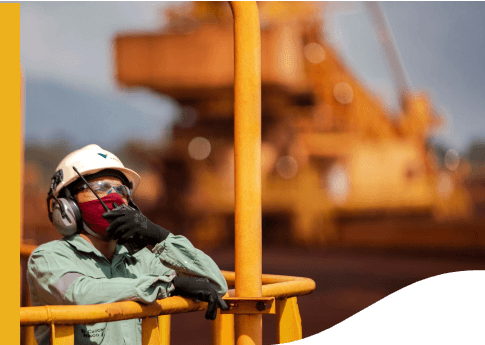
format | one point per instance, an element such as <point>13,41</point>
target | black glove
<point>200,289</point>
<point>128,225</point>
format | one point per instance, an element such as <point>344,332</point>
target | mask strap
<point>91,232</point>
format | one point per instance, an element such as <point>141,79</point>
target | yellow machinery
<point>255,294</point>
<point>330,149</point>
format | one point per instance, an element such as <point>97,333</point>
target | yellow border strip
<point>11,143</point>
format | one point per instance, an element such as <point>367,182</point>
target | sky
<point>66,54</point>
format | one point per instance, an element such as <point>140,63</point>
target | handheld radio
<point>132,247</point>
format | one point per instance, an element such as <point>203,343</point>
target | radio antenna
<point>87,184</point>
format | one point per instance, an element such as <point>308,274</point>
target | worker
<point>103,255</point>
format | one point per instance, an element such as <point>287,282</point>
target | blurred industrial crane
<point>425,118</point>
<point>406,94</point>
<point>387,41</point>
<point>330,150</point>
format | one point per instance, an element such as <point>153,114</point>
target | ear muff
<point>72,223</point>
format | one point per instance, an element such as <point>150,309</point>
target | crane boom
<point>386,39</point>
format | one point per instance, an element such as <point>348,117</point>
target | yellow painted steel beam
<point>247,157</point>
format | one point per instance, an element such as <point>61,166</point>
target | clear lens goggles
<point>104,188</point>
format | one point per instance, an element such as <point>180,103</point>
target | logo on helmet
<point>102,155</point>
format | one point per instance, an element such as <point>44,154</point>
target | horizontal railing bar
<point>284,290</point>
<point>81,314</point>
<point>278,286</point>
<point>266,278</point>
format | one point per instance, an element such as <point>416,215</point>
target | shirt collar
<point>84,246</point>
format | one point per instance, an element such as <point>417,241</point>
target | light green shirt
<point>71,271</point>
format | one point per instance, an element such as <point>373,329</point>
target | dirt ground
<point>347,281</point>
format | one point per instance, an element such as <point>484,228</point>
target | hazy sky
<point>66,54</point>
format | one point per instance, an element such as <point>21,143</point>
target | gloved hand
<point>130,225</point>
<point>200,289</point>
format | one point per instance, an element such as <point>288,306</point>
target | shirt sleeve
<point>177,253</point>
<point>54,279</point>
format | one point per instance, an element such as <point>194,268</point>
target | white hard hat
<point>89,160</point>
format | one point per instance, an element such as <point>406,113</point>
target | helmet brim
<point>132,176</point>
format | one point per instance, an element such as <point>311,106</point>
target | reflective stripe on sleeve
<point>66,280</point>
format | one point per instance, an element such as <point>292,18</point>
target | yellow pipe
<point>149,331</point>
<point>164,329</point>
<point>62,334</point>
<point>29,331</point>
<point>247,156</point>
<point>289,289</point>
<point>277,286</point>
<point>81,314</point>
<point>222,329</point>
<point>247,142</point>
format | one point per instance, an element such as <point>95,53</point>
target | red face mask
<point>91,212</point>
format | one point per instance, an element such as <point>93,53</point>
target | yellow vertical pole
<point>247,151</point>
<point>164,329</point>
<point>62,334</point>
<point>29,330</point>
<point>149,331</point>
<point>222,329</point>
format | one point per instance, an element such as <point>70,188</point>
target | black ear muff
<point>70,222</point>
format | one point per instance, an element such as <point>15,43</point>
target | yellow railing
<point>278,297</point>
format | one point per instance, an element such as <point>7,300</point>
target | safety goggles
<point>105,188</point>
